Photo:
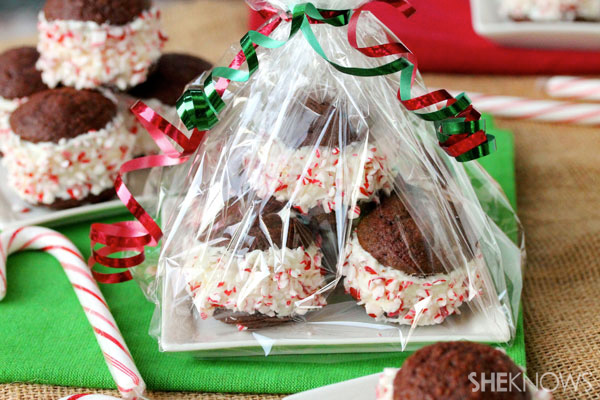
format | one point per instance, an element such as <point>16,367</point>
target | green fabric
<point>45,337</point>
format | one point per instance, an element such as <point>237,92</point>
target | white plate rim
<point>505,31</point>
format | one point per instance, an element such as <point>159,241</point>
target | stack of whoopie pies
<point>65,128</point>
<point>273,272</point>
<point>322,178</point>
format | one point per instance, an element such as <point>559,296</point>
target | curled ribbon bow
<point>458,135</point>
<point>460,128</point>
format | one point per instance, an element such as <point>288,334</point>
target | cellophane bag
<point>321,216</point>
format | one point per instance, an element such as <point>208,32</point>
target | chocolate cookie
<point>266,230</point>
<point>62,204</point>
<point>330,120</point>
<point>392,237</point>
<point>249,321</point>
<point>445,371</point>
<point>113,12</point>
<point>18,76</point>
<point>61,113</point>
<point>170,76</point>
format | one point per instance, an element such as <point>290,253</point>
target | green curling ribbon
<point>484,149</point>
<point>458,126</point>
<point>199,107</point>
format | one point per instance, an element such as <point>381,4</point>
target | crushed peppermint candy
<point>41,173</point>
<point>319,177</point>
<point>85,54</point>
<point>273,282</point>
<point>7,106</point>
<point>391,295</point>
<point>385,386</point>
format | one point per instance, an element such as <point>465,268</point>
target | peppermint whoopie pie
<point>65,147</point>
<point>307,168</point>
<point>255,270</point>
<point>88,43</point>
<point>454,371</point>
<point>392,270</point>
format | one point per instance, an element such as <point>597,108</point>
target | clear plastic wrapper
<point>321,216</point>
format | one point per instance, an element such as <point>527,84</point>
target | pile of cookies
<point>65,125</point>
<point>271,255</point>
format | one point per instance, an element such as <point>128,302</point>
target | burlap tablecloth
<point>558,184</point>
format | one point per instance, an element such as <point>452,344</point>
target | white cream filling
<point>316,177</point>
<point>385,387</point>
<point>393,296</point>
<point>551,10</point>
<point>7,107</point>
<point>85,54</point>
<point>274,282</point>
<point>10,105</point>
<point>70,169</point>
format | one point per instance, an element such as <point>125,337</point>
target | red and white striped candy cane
<point>573,87</point>
<point>537,110</point>
<point>120,363</point>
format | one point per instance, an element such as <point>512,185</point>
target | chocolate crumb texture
<point>18,76</point>
<point>62,113</point>
<point>453,371</point>
<point>112,12</point>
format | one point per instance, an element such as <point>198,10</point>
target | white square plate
<point>15,213</point>
<point>488,22</point>
<point>340,327</point>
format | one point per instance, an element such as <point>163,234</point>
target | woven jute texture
<point>18,391</point>
<point>558,191</point>
<point>558,183</point>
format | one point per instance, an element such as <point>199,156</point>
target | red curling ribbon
<point>113,277</point>
<point>470,114</point>
<point>114,235</point>
<point>132,236</point>
<point>427,100</point>
<point>460,144</point>
<point>391,13</point>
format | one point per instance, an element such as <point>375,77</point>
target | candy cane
<point>573,87</point>
<point>117,356</point>
<point>537,110</point>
